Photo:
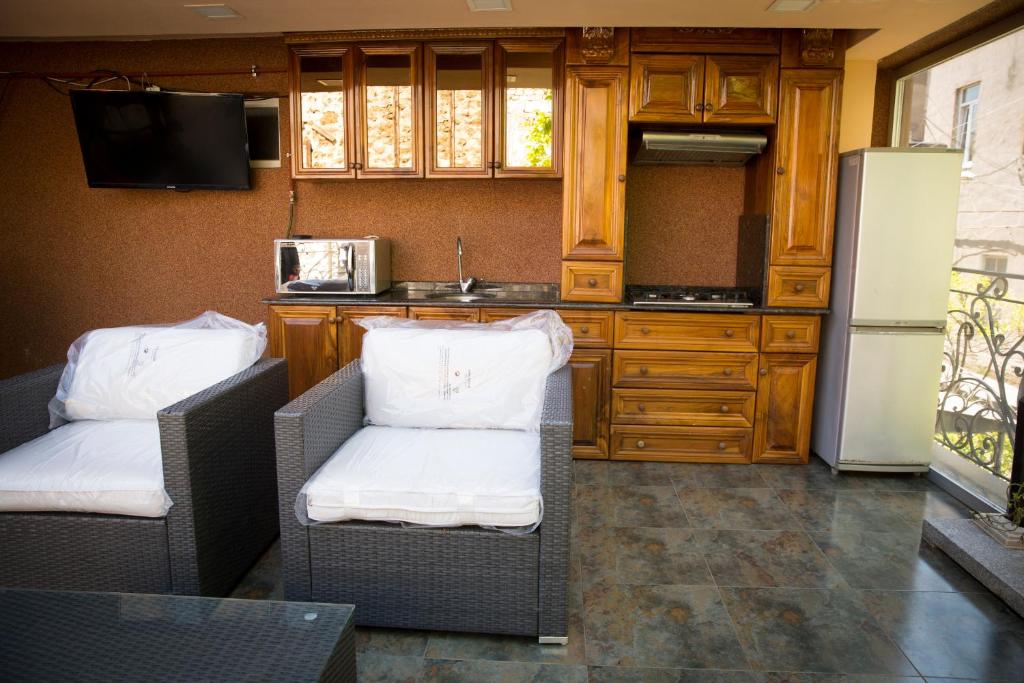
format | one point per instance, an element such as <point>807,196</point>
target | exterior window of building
<point>966,121</point>
<point>995,263</point>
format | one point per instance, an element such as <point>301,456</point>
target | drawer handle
<point>790,334</point>
<point>645,330</point>
<point>724,409</point>
<point>584,329</point>
<point>727,372</point>
<point>592,282</point>
<point>641,407</point>
<point>729,333</point>
<point>798,287</point>
<point>641,444</point>
<point>721,445</point>
<point>763,371</point>
<point>643,369</point>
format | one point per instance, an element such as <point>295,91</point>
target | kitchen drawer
<point>798,286</point>
<point>790,333</point>
<point>469,315</point>
<point>592,281</point>
<point>681,444</point>
<point>683,408</point>
<point>493,315</point>
<point>686,331</point>
<point>684,370</point>
<point>590,329</point>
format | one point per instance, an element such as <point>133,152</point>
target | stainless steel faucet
<point>467,284</point>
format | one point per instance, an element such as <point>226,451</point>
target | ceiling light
<point>215,11</point>
<point>489,5</point>
<point>792,5</point>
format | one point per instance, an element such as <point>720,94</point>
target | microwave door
<point>350,258</point>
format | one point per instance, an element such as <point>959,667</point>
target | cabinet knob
<point>585,329</point>
<point>332,320</point>
<point>643,369</point>
<point>724,409</point>
<point>729,333</point>
<point>707,108</point>
<point>641,407</point>
<point>641,444</point>
<point>721,445</point>
<point>645,330</point>
<point>497,164</point>
<point>780,171</point>
<point>592,282</point>
<point>699,106</point>
<point>727,372</point>
<point>622,178</point>
<point>763,371</point>
<point>798,287</point>
<point>790,334</point>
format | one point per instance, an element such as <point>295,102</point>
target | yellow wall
<point>858,105</point>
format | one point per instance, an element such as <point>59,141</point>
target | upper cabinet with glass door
<point>459,78</point>
<point>321,110</point>
<point>528,94</point>
<point>389,93</point>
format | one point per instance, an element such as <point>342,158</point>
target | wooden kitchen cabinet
<point>686,332</point>
<point>467,315</point>
<point>806,161</point>
<point>591,383</point>
<point>705,40</point>
<point>350,334</point>
<point>323,130</point>
<point>389,99</point>
<point>307,337</point>
<point>666,88</point>
<point>790,333</point>
<point>680,444</point>
<point>798,286</point>
<point>594,193</point>
<point>785,401</point>
<point>458,102</point>
<point>740,89</point>
<point>592,281</point>
<point>528,129</point>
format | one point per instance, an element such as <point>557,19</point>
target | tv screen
<point>162,139</point>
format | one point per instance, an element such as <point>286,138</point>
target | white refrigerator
<point>881,347</point>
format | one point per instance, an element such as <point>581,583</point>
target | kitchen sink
<point>459,296</point>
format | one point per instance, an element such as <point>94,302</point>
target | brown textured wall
<point>80,258</point>
<point>683,224</point>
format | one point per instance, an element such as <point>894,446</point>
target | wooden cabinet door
<point>350,334</point>
<point>469,315</point>
<point>740,89</point>
<point>806,161</point>
<point>389,93</point>
<point>528,107</point>
<point>591,404</point>
<point>458,95</point>
<point>320,93</point>
<point>307,337</point>
<point>785,402</point>
<point>594,193</point>
<point>666,88</point>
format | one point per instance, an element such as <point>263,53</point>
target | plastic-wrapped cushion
<point>110,467</point>
<point>133,372</point>
<point>432,477</point>
<point>451,375</point>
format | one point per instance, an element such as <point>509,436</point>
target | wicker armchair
<point>217,448</point>
<point>451,579</point>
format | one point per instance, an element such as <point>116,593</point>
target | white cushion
<point>439,477</point>
<point>127,373</point>
<point>112,467</point>
<point>455,378</point>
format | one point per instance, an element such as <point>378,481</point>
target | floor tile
<point>641,556</point>
<point>955,635</point>
<point>740,508</point>
<point>828,631</point>
<point>766,558</point>
<point>375,667</point>
<point>659,626</point>
<point>654,506</point>
<point>704,476</point>
<point>833,510</point>
<point>391,641</point>
<point>919,505</point>
<point>264,580</point>
<point>380,668</point>
<point>804,677</point>
<point>814,476</point>
<point>893,561</point>
<point>619,674</point>
<point>590,471</point>
<point>642,473</point>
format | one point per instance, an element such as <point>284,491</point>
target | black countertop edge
<point>386,299</point>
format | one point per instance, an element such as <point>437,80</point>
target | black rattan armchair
<point>451,579</point>
<point>217,448</point>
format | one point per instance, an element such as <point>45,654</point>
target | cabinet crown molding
<point>422,34</point>
<point>597,44</point>
<point>816,47</point>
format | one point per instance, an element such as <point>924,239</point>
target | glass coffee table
<point>71,636</point>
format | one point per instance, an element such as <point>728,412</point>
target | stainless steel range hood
<point>721,149</point>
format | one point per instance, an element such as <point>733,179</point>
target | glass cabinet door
<point>321,106</point>
<point>528,97</point>
<point>458,103</point>
<point>390,123</point>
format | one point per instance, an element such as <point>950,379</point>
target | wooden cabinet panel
<point>806,162</point>
<point>666,88</point>
<point>790,333</point>
<point>591,382</point>
<point>493,315</point>
<point>594,192</point>
<point>798,286</point>
<point>535,63</point>
<point>350,334</point>
<point>707,40</point>
<point>785,402</point>
<point>390,104</point>
<point>586,281</point>
<point>684,370</point>
<point>469,315</point>
<point>680,444</point>
<point>458,95</point>
<point>686,331</point>
<point>322,112</point>
<point>683,408</point>
<point>307,337</point>
<point>576,45</point>
<point>590,329</point>
<point>740,89</point>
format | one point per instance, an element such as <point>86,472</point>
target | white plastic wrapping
<point>457,375</point>
<point>133,372</point>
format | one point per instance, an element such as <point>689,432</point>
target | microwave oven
<point>333,266</point>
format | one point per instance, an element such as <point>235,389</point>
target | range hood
<point>721,149</point>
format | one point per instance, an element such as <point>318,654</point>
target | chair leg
<point>553,640</point>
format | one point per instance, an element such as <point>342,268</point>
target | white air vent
<point>489,5</point>
<point>215,11</point>
<point>792,5</point>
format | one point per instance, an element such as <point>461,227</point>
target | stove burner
<point>691,296</point>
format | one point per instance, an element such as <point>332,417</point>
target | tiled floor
<point>735,574</point>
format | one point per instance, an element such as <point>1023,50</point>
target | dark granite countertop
<point>508,296</point>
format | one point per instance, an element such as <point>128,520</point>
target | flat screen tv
<point>178,141</point>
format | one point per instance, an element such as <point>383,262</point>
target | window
<point>994,263</point>
<point>966,121</point>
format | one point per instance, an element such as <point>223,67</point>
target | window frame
<point>965,122</point>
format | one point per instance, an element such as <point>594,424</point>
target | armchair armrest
<point>556,490</point>
<point>219,470</point>
<point>23,401</point>
<point>308,431</point>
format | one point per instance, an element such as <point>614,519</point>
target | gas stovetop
<point>704,297</point>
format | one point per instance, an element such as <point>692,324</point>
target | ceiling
<point>900,22</point>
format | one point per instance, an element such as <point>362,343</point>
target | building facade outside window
<point>966,120</point>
